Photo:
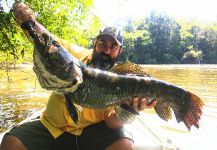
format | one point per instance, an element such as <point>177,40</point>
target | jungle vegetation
<point>155,39</point>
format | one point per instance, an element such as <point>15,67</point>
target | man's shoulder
<point>79,52</point>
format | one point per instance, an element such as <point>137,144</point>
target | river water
<point>201,80</point>
<point>21,96</point>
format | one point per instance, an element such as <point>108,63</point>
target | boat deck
<point>146,133</point>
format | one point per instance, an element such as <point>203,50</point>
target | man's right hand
<point>22,13</point>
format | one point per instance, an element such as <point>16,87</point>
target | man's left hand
<point>141,104</point>
<point>113,121</point>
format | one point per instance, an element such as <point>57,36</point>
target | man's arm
<point>23,13</point>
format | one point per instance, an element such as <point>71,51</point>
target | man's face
<point>106,52</point>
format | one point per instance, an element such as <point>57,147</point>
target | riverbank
<point>192,66</point>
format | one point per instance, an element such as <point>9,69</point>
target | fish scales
<point>108,89</point>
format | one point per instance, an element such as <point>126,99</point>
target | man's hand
<point>141,104</point>
<point>22,13</point>
<point>111,119</point>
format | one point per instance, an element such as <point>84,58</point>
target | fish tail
<point>191,113</point>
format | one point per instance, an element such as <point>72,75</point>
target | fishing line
<point>76,139</point>
<point>35,85</point>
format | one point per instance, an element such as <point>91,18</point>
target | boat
<point>147,134</point>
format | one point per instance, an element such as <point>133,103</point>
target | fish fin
<point>71,108</point>
<point>163,112</point>
<point>129,108</point>
<point>191,113</point>
<point>129,69</point>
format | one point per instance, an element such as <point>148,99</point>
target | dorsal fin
<point>129,68</point>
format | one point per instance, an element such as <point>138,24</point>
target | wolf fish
<point>58,70</point>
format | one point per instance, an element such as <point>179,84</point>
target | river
<point>21,96</point>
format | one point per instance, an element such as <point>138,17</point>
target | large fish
<point>58,70</point>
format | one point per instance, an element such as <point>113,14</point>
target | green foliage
<point>155,39</point>
<point>160,39</point>
<point>192,56</point>
<point>137,46</point>
<point>12,40</point>
<point>165,35</point>
<point>70,20</point>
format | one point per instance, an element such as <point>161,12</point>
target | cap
<point>114,32</point>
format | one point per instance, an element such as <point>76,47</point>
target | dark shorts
<point>94,137</point>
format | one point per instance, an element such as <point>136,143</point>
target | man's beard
<point>102,61</point>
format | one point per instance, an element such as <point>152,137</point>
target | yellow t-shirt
<point>56,117</point>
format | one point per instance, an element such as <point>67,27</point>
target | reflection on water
<point>20,96</point>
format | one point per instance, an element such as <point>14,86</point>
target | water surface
<point>21,96</point>
<point>201,80</point>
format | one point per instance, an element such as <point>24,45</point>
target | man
<point>95,129</point>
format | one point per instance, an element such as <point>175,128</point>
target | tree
<point>192,56</point>
<point>207,42</point>
<point>71,20</point>
<point>165,35</point>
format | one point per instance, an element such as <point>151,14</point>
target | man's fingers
<point>152,104</point>
<point>139,104</point>
<point>143,104</point>
<point>136,103</point>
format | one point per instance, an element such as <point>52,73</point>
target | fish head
<point>54,66</point>
<point>60,62</point>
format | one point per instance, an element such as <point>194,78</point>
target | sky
<point>117,11</point>
<point>6,4</point>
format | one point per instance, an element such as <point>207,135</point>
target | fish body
<point>101,89</point>
<point>58,70</point>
